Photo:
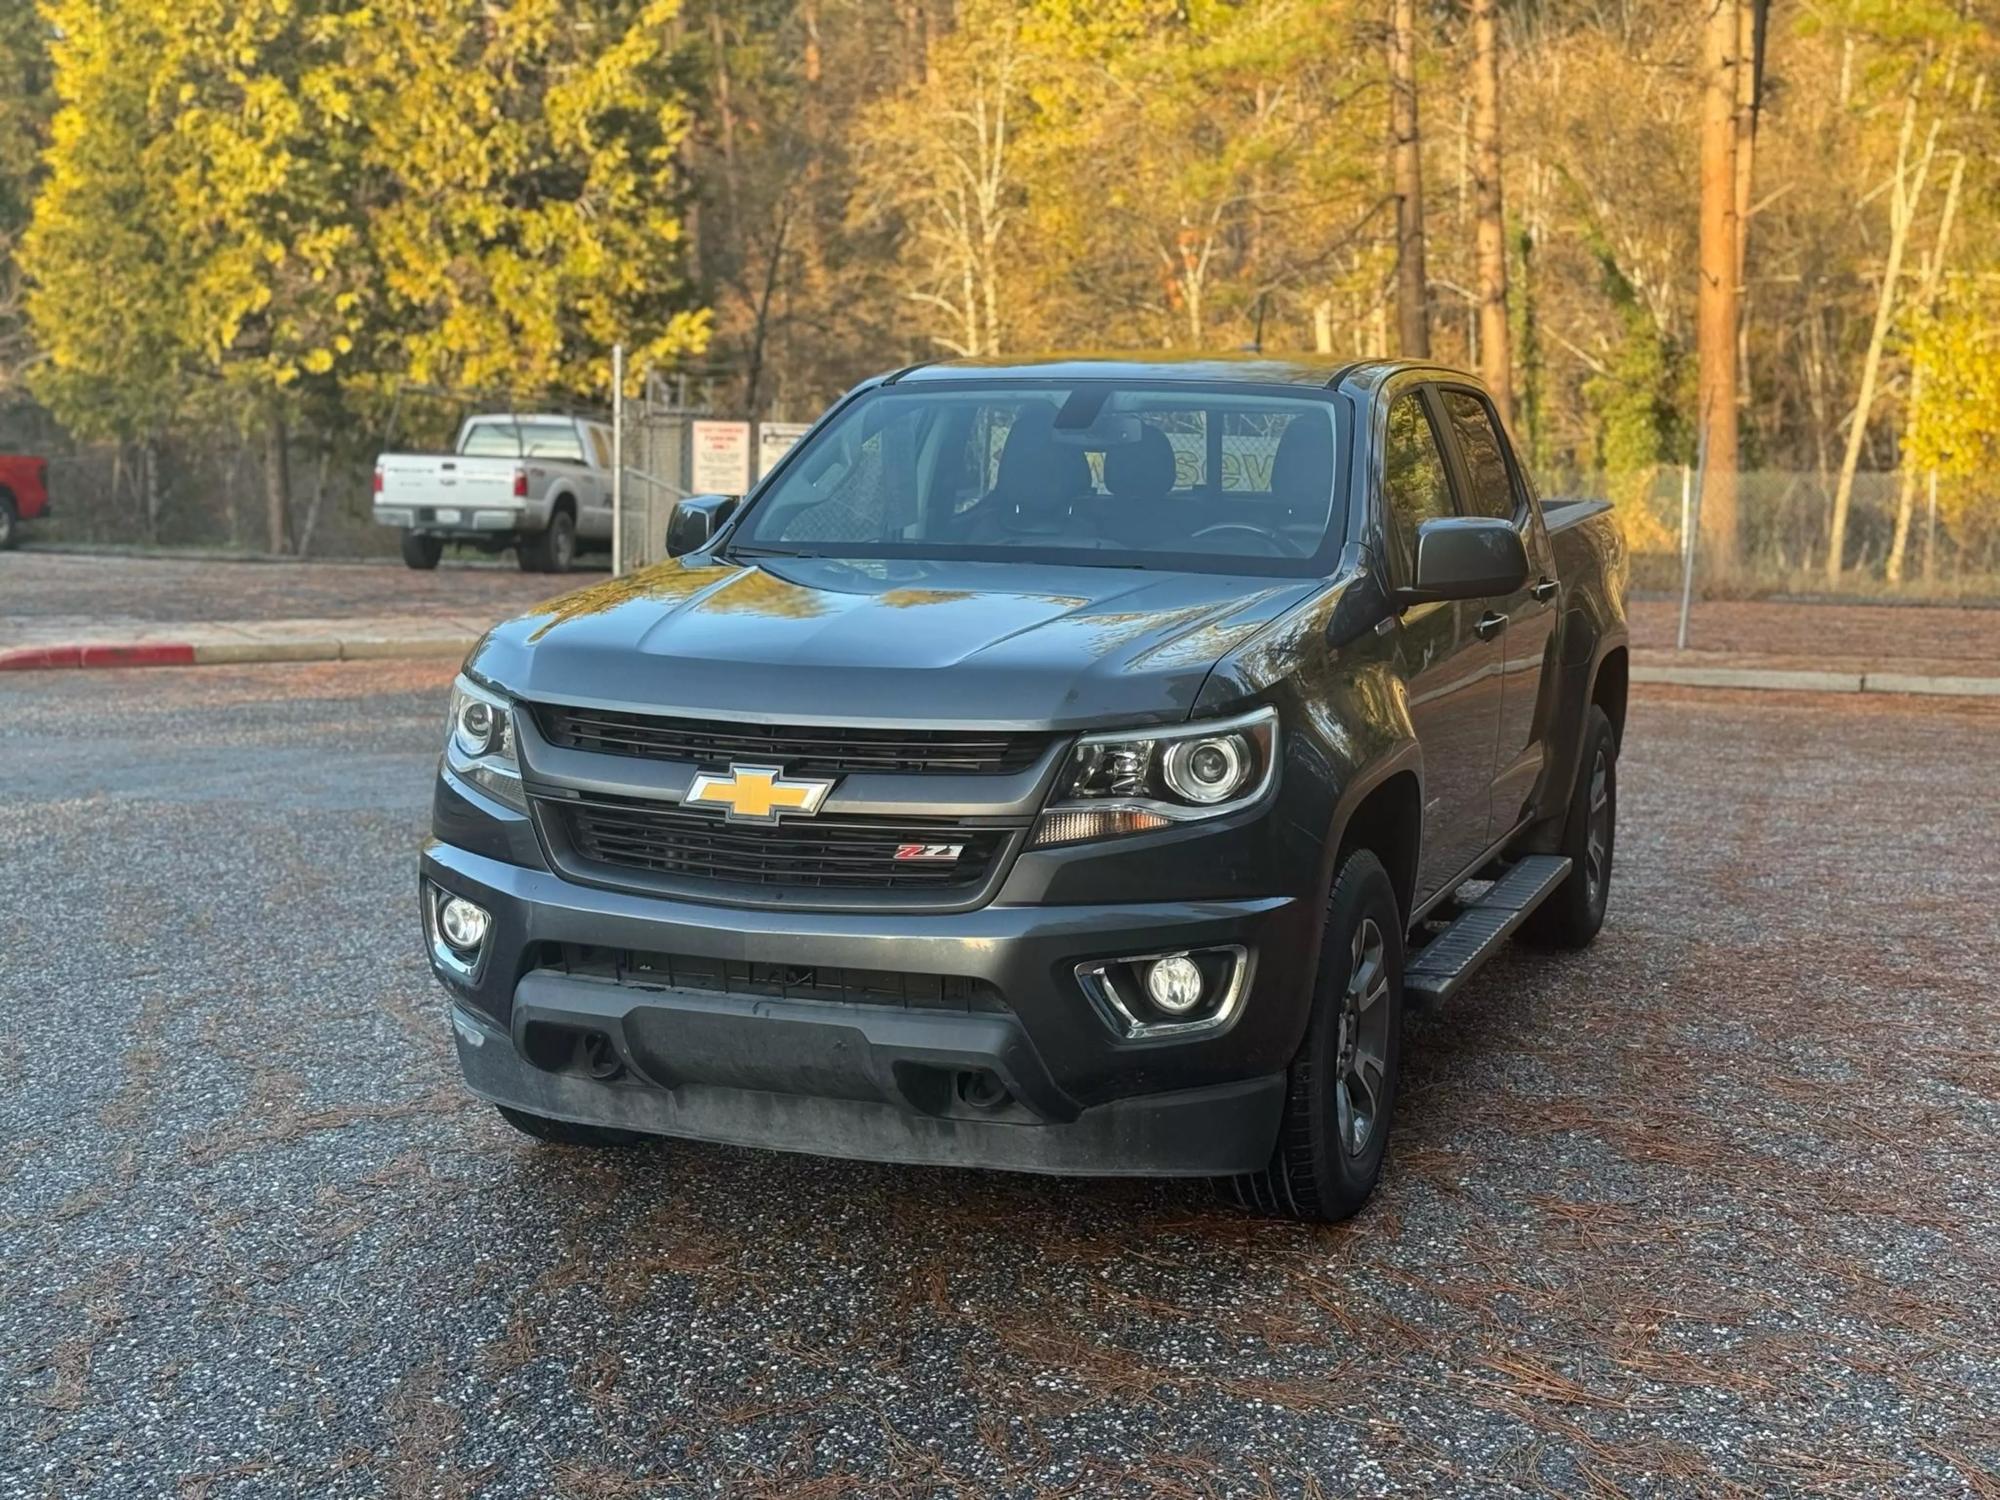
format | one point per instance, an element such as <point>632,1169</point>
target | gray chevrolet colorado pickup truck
<point>1079,766</point>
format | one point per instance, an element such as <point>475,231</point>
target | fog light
<point>463,924</point>
<point>1174,984</point>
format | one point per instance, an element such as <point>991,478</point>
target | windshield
<point>528,439</point>
<point>1167,475</point>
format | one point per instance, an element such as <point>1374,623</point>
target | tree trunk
<point>1906,482</point>
<point>1716,286</point>
<point>1496,359</point>
<point>1407,168</point>
<point>313,505</point>
<point>277,487</point>
<point>1751,21</point>
<point>149,460</point>
<point>1904,191</point>
<point>1927,290</point>
<point>725,118</point>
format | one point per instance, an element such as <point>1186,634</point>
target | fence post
<point>1691,529</point>
<point>1687,552</point>
<point>617,459</point>
<point>1930,533</point>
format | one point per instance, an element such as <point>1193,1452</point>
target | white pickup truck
<point>540,484</point>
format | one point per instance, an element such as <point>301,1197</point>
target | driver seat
<point>1037,482</point>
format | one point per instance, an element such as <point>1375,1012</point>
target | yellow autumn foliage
<point>254,205</point>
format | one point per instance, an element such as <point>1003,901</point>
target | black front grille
<point>718,976</point>
<point>817,853</point>
<point>800,750</point>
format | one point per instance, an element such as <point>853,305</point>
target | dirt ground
<point>42,592</point>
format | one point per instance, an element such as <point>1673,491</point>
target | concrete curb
<point>229,653</point>
<point>1774,679</point>
<point>384,648</point>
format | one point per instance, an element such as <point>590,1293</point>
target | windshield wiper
<point>749,551</point>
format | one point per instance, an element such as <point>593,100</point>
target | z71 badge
<point>933,853</point>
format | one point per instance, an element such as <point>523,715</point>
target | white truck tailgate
<point>450,488</point>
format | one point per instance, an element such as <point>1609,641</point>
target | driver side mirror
<point>696,521</point>
<point>1466,557</point>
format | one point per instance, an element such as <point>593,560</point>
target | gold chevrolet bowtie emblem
<point>758,794</point>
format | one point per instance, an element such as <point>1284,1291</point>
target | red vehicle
<point>24,494</point>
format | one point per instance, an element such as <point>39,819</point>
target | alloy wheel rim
<point>1597,831</point>
<point>1361,1065</point>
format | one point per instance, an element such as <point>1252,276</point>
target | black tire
<point>1571,917</point>
<point>1319,1172</point>
<point>10,522</point>
<point>422,552</point>
<point>553,548</point>
<point>567,1132</point>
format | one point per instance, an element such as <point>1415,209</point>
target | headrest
<point>1035,471</point>
<point>1302,470</point>
<point>1143,470</point>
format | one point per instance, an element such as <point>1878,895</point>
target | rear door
<point>1450,660</point>
<point>1492,485</point>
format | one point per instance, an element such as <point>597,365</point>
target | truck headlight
<point>1130,782</point>
<point>479,742</point>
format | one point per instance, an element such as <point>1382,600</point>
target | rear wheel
<point>553,549</point>
<point>1571,916</point>
<point>1342,1085</point>
<point>568,1132</point>
<point>420,551</point>
<point>10,522</point>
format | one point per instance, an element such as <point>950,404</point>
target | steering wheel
<point>1280,546</point>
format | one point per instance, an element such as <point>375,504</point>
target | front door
<point>1451,656</point>
<point>1492,486</point>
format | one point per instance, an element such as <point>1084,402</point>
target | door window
<point>600,445</point>
<point>1492,481</point>
<point>1415,488</point>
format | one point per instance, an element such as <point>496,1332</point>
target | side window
<point>864,490</point>
<point>1485,460</point>
<point>844,502</point>
<point>600,446</point>
<point>1414,486</point>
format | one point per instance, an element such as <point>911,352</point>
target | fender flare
<point>1404,755</point>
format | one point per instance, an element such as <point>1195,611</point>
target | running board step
<point>1444,963</point>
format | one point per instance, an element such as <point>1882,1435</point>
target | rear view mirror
<point>1466,557</point>
<point>696,522</point>
<point>1112,429</point>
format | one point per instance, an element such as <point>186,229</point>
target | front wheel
<point>10,522</point>
<point>1571,916</point>
<point>568,1132</point>
<point>1342,1086</point>
<point>422,552</point>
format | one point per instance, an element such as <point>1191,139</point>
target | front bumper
<point>880,1081</point>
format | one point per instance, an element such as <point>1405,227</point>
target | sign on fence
<point>720,462</point>
<point>774,441</point>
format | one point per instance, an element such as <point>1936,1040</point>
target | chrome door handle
<point>1490,625</point>
<point>1545,590</point>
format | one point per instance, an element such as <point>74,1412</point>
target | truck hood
<point>1006,645</point>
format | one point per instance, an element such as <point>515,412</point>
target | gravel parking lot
<point>1710,1208</point>
<point>94,590</point>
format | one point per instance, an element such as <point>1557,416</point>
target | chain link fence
<point>1908,535</point>
<point>1949,534</point>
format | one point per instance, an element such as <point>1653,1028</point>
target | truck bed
<point>1560,515</point>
